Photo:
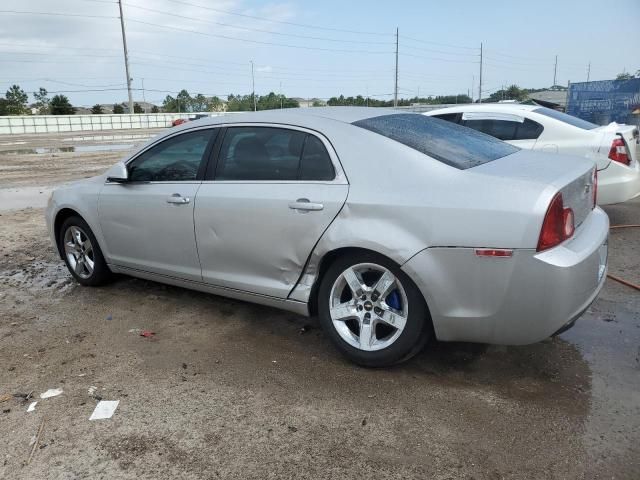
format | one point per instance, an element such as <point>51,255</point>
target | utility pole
<point>473,86</point>
<point>480,84</point>
<point>280,95</point>
<point>588,71</point>
<point>555,71</point>
<point>395,90</point>
<point>126,57</point>
<point>144,100</point>
<point>253,88</point>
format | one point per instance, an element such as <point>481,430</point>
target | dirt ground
<point>226,389</point>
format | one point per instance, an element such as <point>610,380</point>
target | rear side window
<point>528,130</point>
<point>563,117</point>
<point>315,163</point>
<point>448,143</point>
<point>449,117</point>
<point>266,153</point>
<point>502,129</point>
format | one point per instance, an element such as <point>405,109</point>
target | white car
<point>613,147</point>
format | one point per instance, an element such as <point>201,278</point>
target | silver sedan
<point>393,228</point>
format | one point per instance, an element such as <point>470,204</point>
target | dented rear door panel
<point>250,237</point>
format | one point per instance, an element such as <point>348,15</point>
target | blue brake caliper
<point>393,300</point>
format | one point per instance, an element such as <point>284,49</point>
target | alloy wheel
<point>79,252</point>
<point>368,306</point>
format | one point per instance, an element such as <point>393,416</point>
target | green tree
<point>214,104</point>
<point>627,76</point>
<point>42,101</point>
<point>184,101</point>
<point>97,109</point>
<point>3,106</point>
<point>137,108</point>
<point>60,105</point>
<point>117,108</point>
<point>16,99</point>
<point>169,104</point>
<point>155,109</point>
<point>199,103</point>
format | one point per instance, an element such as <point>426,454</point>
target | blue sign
<point>605,101</point>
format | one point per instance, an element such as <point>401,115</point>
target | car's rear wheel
<point>372,310</point>
<point>82,253</point>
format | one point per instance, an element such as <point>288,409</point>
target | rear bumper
<point>618,183</point>
<point>517,300</point>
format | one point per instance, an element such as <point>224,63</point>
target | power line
<point>437,43</point>
<point>259,42</point>
<point>271,32</point>
<point>55,14</point>
<point>436,59</point>
<point>282,22</point>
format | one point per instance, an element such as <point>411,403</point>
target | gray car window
<point>563,117</point>
<point>502,129</point>
<point>444,141</point>
<point>173,160</point>
<point>315,163</point>
<point>260,153</point>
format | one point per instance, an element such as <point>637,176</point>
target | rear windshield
<point>447,142</point>
<point>563,117</point>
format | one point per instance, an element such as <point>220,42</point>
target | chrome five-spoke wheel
<point>79,252</point>
<point>368,306</point>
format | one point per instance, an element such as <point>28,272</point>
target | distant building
<point>309,102</point>
<point>556,99</point>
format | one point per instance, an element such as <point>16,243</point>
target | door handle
<point>178,199</point>
<point>305,205</point>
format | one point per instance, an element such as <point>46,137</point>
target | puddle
<point>24,197</point>
<point>74,148</point>
<point>38,276</point>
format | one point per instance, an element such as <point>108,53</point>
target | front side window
<point>270,153</point>
<point>177,159</point>
<point>444,141</point>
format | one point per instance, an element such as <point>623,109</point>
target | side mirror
<point>118,173</point>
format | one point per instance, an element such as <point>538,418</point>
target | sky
<point>310,48</point>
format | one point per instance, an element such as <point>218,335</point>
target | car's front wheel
<point>82,253</point>
<point>372,311</point>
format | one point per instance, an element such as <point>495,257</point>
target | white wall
<point>12,125</point>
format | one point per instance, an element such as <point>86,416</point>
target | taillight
<point>618,151</point>
<point>558,224</point>
<point>594,186</point>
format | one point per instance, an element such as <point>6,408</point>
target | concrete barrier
<point>13,125</point>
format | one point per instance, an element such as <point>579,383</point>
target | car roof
<point>487,107</point>
<point>310,116</point>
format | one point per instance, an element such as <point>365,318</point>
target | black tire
<point>418,328</point>
<point>101,273</point>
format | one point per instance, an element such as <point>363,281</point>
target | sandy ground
<point>231,390</point>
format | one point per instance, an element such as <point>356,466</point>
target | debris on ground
<point>52,392</point>
<point>104,409</point>
<point>24,397</point>
<point>36,441</point>
<point>92,393</point>
<point>5,397</point>
<point>305,328</point>
<point>32,406</point>
<point>137,331</point>
<point>147,333</point>
<point>109,317</point>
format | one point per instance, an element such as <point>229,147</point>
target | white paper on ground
<point>32,407</point>
<point>52,392</point>
<point>104,409</point>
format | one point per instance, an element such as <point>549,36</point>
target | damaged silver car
<point>391,227</point>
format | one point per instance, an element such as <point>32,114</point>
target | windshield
<point>563,117</point>
<point>457,146</point>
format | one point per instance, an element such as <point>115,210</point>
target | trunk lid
<point>570,175</point>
